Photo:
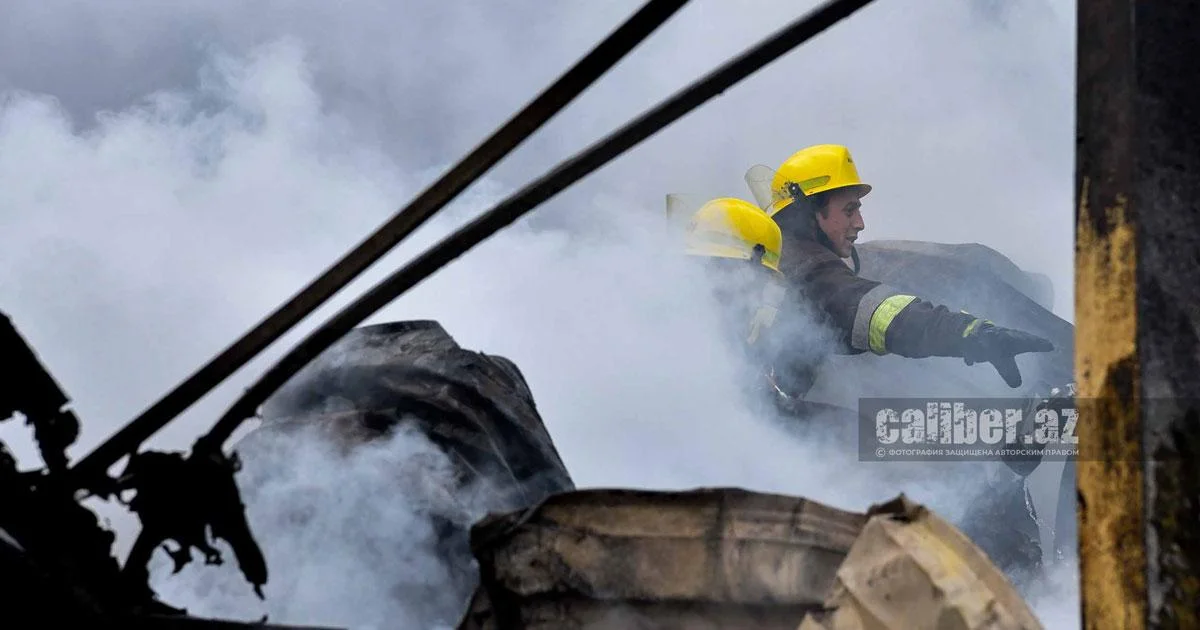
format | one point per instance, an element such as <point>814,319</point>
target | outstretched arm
<point>872,316</point>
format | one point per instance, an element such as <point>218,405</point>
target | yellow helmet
<point>813,170</point>
<point>732,228</point>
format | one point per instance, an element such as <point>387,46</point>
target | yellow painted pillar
<point>1138,313</point>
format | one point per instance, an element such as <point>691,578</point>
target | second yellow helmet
<point>732,228</point>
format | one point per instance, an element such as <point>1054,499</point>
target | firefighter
<point>741,245</point>
<point>816,201</point>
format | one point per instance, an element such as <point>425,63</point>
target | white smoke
<point>136,245</point>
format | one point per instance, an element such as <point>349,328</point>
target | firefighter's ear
<point>759,252</point>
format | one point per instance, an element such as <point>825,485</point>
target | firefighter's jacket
<point>866,315</point>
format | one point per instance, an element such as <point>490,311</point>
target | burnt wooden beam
<point>1138,312</point>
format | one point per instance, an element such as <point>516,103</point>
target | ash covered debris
<point>412,376</point>
<point>367,471</point>
<point>476,406</point>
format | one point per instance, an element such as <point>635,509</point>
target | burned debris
<point>54,552</point>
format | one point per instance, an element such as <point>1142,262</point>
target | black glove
<point>986,342</point>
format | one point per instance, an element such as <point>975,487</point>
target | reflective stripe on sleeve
<point>882,319</point>
<point>875,313</point>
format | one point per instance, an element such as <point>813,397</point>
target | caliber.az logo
<point>957,424</point>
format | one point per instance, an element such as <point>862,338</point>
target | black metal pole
<point>511,209</point>
<point>572,83</point>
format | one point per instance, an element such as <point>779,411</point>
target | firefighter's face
<point>843,220</point>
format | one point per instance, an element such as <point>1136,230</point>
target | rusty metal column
<point>1138,312</point>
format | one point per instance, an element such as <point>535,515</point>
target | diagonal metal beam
<point>1138,313</point>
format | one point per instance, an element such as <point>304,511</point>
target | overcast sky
<point>169,173</point>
